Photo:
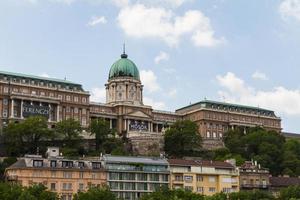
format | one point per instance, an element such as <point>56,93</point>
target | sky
<point>245,52</point>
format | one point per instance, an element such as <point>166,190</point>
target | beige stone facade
<point>215,118</point>
<point>204,177</point>
<point>23,95</point>
<point>253,176</point>
<point>63,176</point>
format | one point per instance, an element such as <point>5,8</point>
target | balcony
<point>256,186</point>
<point>12,178</point>
<point>29,95</point>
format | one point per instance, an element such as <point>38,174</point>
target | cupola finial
<point>124,55</point>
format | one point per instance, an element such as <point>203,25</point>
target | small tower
<point>124,84</point>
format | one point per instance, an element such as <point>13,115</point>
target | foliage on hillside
<point>268,148</point>
<point>182,139</point>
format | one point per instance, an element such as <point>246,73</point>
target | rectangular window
<point>81,175</point>
<point>178,178</point>
<point>154,177</point>
<point>5,102</point>
<point>37,163</point>
<point>81,186</point>
<point>67,186</point>
<point>81,164</point>
<point>53,163</point>
<point>67,174</point>
<point>200,189</point>
<point>67,164</point>
<point>142,177</point>
<point>68,98</point>
<point>199,178</point>
<point>5,89</point>
<point>53,187</point>
<point>188,178</point>
<point>96,165</point>
<point>212,189</point>
<point>190,188</point>
<point>75,99</point>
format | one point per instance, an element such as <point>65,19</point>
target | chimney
<point>255,163</point>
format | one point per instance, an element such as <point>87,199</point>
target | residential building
<point>132,177</point>
<point>204,177</point>
<point>64,176</point>
<point>253,176</point>
<point>278,183</point>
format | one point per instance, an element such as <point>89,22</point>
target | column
<point>57,113</point>
<point>22,109</point>
<point>125,126</point>
<point>49,118</point>
<point>110,123</point>
<point>12,108</point>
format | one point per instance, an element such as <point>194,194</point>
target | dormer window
<point>53,163</point>
<point>37,163</point>
<point>96,165</point>
<point>67,164</point>
<point>81,164</point>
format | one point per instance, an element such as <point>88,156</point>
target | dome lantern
<point>124,67</point>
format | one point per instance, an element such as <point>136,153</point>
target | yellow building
<point>64,176</point>
<point>204,177</point>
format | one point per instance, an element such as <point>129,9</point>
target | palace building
<point>24,95</point>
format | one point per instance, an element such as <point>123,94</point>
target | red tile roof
<point>284,181</point>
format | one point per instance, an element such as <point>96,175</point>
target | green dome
<point>124,68</point>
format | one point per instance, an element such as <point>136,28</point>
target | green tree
<point>102,131</point>
<point>291,158</point>
<point>25,137</point>
<point>17,192</point>
<point>251,195</point>
<point>182,139</point>
<point>259,144</point>
<point>4,164</point>
<point>167,194</point>
<point>102,193</point>
<point>233,141</point>
<point>68,129</point>
<point>291,192</point>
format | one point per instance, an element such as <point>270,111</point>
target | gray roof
<point>129,159</point>
<point>38,77</point>
<point>27,162</point>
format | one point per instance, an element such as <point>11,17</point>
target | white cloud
<point>140,21</point>
<point>280,99</point>
<point>98,94</point>
<point>259,76</point>
<point>120,3</point>
<point>162,56</point>
<point>290,9</point>
<point>172,93</point>
<point>163,3</point>
<point>155,104</point>
<point>149,80</point>
<point>97,20</point>
<point>64,1</point>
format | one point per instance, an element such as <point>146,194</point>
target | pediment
<point>138,114</point>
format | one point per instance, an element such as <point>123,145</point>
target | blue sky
<point>235,51</point>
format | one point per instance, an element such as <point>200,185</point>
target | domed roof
<point>124,68</point>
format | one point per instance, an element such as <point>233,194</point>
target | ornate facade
<point>24,95</point>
